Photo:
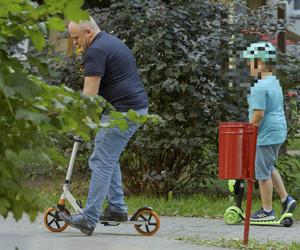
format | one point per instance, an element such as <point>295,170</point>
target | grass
<point>196,206</point>
<point>295,144</point>
<point>238,244</point>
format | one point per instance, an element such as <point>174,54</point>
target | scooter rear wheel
<point>287,222</point>
<point>153,222</point>
<point>52,220</point>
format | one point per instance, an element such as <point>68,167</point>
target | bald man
<point>110,71</point>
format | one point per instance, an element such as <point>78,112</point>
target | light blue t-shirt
<point>267,95</point>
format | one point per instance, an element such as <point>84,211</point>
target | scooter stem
<point>72,160</point>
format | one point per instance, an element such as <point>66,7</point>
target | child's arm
<point>258,115</point>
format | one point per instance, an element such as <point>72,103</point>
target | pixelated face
<point>260,57</point>
<point>256,67</point>
<point>249,64</point>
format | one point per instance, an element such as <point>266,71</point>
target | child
<point>266,111</point>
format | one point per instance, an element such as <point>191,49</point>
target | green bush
<point>33,114</point>
<point>289,168</point>
<point>31,111</point>
<point>182,50</point>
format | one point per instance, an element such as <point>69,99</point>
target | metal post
<point>250,176</point>
<point>281,37</point>
<point>248,210</point>
<point>281,44</point>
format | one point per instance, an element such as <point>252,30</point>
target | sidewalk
<point>293,152</point>
<point>33,236</point>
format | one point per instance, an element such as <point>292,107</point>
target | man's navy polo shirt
<point>121,85</point>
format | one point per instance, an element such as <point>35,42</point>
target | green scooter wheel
<point>232,217</point>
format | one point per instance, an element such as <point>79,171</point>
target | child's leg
<point>278,185</point>
<point>288,203</point>
<point>263,168</point>
<point>266,192</point>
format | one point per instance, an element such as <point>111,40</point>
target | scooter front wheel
<point>232,217</point>
<point>52,220</point>
<point>152,219</point>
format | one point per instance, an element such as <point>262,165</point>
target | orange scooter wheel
<point>153,220</point>
<point>52,220</point>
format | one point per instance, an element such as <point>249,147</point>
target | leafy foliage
<point>289,168</point>
<point>31,111</point>
<point>291,78</point>
<point>182,50</point>
<point>34,115</point>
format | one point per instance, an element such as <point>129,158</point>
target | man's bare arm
<point>91,85</point>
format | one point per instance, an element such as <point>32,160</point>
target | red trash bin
<point>237,149</point>
<point>232,150</point>
<point>250,150</point>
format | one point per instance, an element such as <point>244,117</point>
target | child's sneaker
<point>289,205</point>
<point>262,215</point>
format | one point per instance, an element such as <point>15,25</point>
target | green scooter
<point>235,215</point>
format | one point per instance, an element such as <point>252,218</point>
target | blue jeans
<point>106,180</point>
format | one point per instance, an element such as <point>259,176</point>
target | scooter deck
<point>234,216</point>
<point>129,222</point>
<point>276,222</point>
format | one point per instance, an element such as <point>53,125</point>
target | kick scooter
<point>235,215</point>
<point>145,220</point>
